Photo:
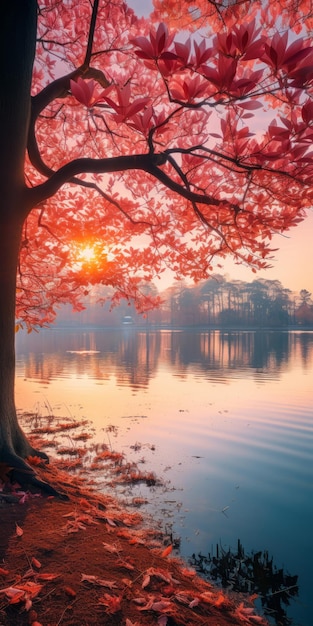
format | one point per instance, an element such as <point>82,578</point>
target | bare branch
<point>146,162</point>
<point>59,88</point>
<point>160,175</point>
<point>65,174</point>
<point>91,32</point>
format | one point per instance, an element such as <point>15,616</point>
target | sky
<point>293,261</point>
<point>142,8</point>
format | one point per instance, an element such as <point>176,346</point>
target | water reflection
<point>134,357</point>
<point>228,425</point>
<point>254,573</point>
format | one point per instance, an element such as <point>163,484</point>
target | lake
<point>225,419</point>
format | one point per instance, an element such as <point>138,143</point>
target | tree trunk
<point>14,445</point>
<point>12,441</point>
<point>17,48</point>
<point>18,23</point>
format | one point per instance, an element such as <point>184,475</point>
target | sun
<point>86,254</point>
<point>90,255</point>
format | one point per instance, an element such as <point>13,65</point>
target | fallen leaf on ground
<point>95,580</point>
<point>4,572</point>
<point>113,603</point>
<point>69,592</point>
<point>47,577</point>
<point>110,548</point>
<point>35,460</point>
<point>167,551</point>
<point>125,563</point>
<point>157,605</point>
<point>161,575</point>
<point>18,530</point>
<point>22,592</point>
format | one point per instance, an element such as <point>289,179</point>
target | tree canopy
<point>149,147</point>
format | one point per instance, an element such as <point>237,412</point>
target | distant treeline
<point>217,302</point>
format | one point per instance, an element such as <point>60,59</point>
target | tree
<point>304,312</point>
<point>305,296</point>
<point>210,292</point>
<point>126,149</point>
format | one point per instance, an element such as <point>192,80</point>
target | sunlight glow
<point>86,253</point>
<point>90,258</point>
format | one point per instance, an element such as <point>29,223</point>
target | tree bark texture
<point>17,49</point>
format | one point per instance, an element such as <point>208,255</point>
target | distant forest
<point>214,303</point>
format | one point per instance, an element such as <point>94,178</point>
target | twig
<point>69,606</point>
<point>282,590</point>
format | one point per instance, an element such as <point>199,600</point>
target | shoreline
<point>91,561</point>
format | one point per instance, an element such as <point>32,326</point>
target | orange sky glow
<point>292,263</point>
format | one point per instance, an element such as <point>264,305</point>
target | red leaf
<point>4,572</point>
<point>167,551</point>
<point>18,530</point>
<point>70,592</point>
<point>251,105</point>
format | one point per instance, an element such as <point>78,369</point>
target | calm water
<point>225,419</point>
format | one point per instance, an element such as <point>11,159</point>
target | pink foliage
<point>178,147</point>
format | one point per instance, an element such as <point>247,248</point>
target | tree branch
<point>147,162</point>
<point>91,32</point>
<point>66,174</point>
<point>59,88</point>
<point>193,197</point>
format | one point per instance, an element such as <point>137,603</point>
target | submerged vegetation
<point>251,573</point>
<point>94,560</point>
<point>246,577</point>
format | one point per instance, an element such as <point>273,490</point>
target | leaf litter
<point>91,561</point>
